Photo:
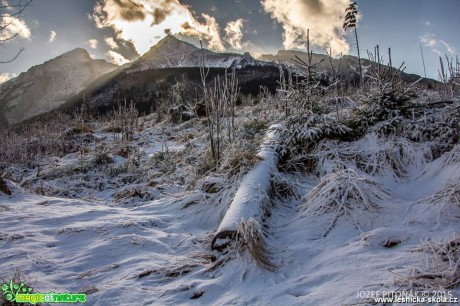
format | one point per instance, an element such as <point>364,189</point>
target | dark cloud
<point>159,15</point>
<point>316,6</point>
<point>130,10</point>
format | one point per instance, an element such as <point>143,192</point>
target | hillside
<point>45,87</point>
<point>340,203</point>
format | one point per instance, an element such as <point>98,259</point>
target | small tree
<point>10,12</point>
<point>350,23</point>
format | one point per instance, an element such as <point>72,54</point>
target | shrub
<point>101,156</point>
<point>343,193</point>
<point>442,270</point>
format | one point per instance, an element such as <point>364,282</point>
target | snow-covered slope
<point>45,87</point>
<point>171,52</point>
<point>128,233</point>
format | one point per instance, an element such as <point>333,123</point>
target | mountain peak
<point>168,52</point>
<point>168,39</point>
<point>47,86</point>
<point>78,53</point>
<point>171,43</point>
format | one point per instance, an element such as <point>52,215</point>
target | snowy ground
<point>154,248</point>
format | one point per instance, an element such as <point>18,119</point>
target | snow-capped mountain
<point>171,52</point>
<point>45,87</point>
<point>59,83</point>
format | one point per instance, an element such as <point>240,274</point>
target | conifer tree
<point>350,23</point>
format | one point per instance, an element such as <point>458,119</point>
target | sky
<point>122,30</point>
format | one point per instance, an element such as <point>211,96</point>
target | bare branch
<point>11,11</point>
<point>14,58</point>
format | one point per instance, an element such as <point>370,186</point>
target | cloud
<point>234,33</point>
<point>5,76</point>
<point>12,26</point>
<point>324,19</point>
<point>448,46</point>
<point>111,43</point>
<point>116,58</point>
<point>52,37</point>
<point>209,31</point>
<point>436,45</point>
<point>428,24</point>
<point>429,39</point>
<point>93,43</point>
<point>144,22</point>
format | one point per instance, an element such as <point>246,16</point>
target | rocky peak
<point>45,87</point>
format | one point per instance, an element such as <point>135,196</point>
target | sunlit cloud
<point>13,26</point>
<point>116,58</point>
<point>448,47</point>
<point>93,43</point>
<point>436,45</point>
<point>429,39</point>
<point>5,76</point>
<point>145,22</point>
<point>111,43</point>
<point>52,37</point>
<point>324,19</point>
<point>234,33</point>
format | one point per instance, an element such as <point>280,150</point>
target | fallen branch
<point>250,203</point>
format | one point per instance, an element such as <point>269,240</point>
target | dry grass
<point>445,203</point>
<point>442,269</point>
<point>343,193</point>
<point>249,237</point>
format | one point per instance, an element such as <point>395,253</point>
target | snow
<point>173,53</point>
<point>156,250</point>
<point>252,193</point>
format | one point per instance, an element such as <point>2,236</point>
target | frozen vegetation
<point>304,197</point>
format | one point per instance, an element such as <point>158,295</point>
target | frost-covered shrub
<point>398,155</point>
<point>102,156</point>
<point>441,269</point>
<point>344,193</point>
<point>373,154</point>
<point>444,204</point>
<point>239,157</point>
<point>442,127</point>
<point>308,129</point>
<point>164,160</point>
<point>385,110</point>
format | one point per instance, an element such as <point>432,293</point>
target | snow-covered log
<point>252,197</point>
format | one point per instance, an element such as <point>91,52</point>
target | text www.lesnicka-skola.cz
<point>412,296</point>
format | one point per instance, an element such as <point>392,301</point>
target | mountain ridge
<point>171,52</point>
<point>60,83</point>
<point>45,87</point>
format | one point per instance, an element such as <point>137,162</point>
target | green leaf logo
<point>10,290</point>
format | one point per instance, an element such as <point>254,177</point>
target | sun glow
<point>145,22</point>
